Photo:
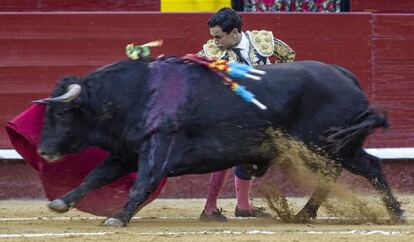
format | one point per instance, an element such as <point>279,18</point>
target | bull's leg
<point>325,183</point>
<point>110,170</point>
<point>154,165</point>
<point>370,167</point>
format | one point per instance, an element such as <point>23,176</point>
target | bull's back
<point>314,96</point>
<point>304,98</point>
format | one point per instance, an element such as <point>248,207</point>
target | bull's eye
<point>62,112</point>
<point>59,114</point>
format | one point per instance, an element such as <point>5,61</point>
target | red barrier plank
<point>393,37</point>
<point>80,5</point>
<point>382,5</point>
<point>393,75</point>
<point>36,80</point>
<point>316,26</point>
<point>19,181</point>
<point>89,25</point>
<point>101,5</point>
<point>392,89</point>
<point>393,78</point>
<point>20,53</point>
<point>394,137</point>
<point>19,5</point>
<point>393,26</point>
<point>393,49</point>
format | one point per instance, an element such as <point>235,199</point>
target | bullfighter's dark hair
<point>227,19</point>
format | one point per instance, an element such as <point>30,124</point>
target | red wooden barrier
<point>40,48</point>
<point>79,5</point>
<point>382,5</point>
<point>393,75</point>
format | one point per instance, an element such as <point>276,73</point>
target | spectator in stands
<point>237,5</point>
<point>252,48</point>
<point>293,5</point>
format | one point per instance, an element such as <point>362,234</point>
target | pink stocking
<point>242,193</point>
<point>217,180</point>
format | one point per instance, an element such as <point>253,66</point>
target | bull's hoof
<point>114,222</point>
<point>304,216</point>
<point>58,205</point>
<point>401,218</point>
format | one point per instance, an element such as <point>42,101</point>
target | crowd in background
<point>291,5</point>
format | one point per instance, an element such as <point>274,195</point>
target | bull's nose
<point>41,152</point>
<point>47,156</point>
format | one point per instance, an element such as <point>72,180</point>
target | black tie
<point>240,57</point>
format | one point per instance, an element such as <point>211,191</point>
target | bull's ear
<point>73,91</point>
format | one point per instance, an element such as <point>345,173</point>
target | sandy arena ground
<point>177,220</point>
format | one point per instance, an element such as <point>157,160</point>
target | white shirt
<point>244,46</point>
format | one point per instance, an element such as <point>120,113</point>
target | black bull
<point>179,118</point>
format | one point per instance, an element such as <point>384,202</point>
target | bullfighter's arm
<point>283,52</point>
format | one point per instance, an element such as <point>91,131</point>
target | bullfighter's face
<point>225,40</point>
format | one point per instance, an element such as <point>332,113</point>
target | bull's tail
<point>366,123</point>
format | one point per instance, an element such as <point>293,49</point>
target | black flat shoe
<point>254,213</point>
<point>215,216</point>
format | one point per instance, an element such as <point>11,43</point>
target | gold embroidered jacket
<point>262,46</point>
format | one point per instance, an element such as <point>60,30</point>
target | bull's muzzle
<point>47,156</point>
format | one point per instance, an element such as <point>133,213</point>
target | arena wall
<point>382,5</point>
<point>79,5</point>
<point>19,181</point>
<point>37,49</point>
<point>392,76</point>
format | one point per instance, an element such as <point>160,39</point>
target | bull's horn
<point>73,92</point>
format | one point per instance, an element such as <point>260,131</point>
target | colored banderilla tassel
<point>226,70</point>
<point>135,51</point>
<point>246,95</point>
<point>242,71</point>
<point>235,69</point>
